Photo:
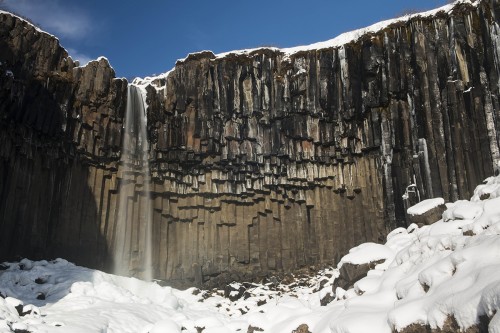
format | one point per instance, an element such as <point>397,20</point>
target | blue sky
<point>142,38</point>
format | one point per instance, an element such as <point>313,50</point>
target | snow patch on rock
<point>424,206</point>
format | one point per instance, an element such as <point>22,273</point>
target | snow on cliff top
<point>82,64</point>
<point>346,37</point>
<point>2,12</point>
<point>338,41</point>
<point>447,269</point>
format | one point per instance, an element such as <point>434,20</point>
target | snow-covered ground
<point>430,274</point>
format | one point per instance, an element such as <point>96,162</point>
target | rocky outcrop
<point>450,326</point>
<point>260,161</point>
<point>350,273</point>
<point>429,217</point>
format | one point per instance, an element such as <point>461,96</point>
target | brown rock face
<point>302,329</point>
<point>429,217</point>
<point>349,274</point>
<point>260,162</point>
<point>449,326</point>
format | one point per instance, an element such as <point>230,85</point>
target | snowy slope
<point>430,274</point>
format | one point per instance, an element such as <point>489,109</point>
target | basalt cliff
<point>261,161</point>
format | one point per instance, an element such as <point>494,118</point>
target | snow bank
<point>366,253</point>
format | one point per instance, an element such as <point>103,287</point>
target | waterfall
<point>132,240</point>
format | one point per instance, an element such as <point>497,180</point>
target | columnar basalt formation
<point>261,161</point>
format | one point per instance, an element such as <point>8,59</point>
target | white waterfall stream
<point>132,243</point>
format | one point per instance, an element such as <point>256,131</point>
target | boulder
<point>302,329</point>
<point>426,212</point>
<point>349,274</point>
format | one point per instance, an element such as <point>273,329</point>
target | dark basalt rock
<point>41,280</point>
<point>450,326</point>
<point>349,274</point>
<point>327,299</point>
<point>260,162</point>
<point>234,294</point>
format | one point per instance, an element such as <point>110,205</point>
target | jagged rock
<point>302,329</point>
<point>260,162</point>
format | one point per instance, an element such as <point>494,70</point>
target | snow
<point>463,210</point>
<point>346,37</point>
<point>366,253</point>
<point>429,274</point>
<point>424,206</point>
<point>2,12</point>
<point>83,63</point>
<point>337,42</point>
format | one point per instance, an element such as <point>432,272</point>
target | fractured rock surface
<point>260,162</point>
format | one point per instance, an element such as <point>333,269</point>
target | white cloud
<point>53,17</point>
<point>76,55</point>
